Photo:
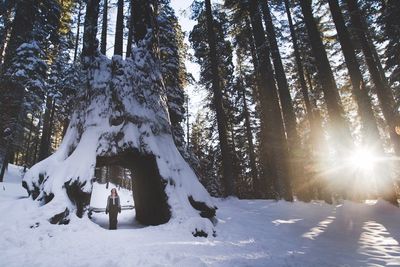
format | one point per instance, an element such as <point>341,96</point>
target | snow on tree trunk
<point>121,118</point>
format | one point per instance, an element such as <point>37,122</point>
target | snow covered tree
<point>21,77</point>
<point>121,118</point>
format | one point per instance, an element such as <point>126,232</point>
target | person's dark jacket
<point>113,205</point>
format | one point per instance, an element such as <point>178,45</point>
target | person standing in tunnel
<point>113,208</point>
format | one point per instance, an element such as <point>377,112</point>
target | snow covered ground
<point>249,233</point>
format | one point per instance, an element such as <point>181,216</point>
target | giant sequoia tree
<point>121,118</point>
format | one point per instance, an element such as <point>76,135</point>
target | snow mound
<point>14,174</point>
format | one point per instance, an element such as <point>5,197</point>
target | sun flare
<point>363,159</point>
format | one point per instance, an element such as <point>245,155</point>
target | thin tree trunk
<point>77,37</point>
<point>44,148</point>
<point>130,31</point>
<point>7,28</point>
<point>119,29</point>
<point>274,150</point>
<point>187,123</point>
<point>103,42</point>
<point>37,141</point>
<point>28,141</point>
<point>249,137</point>
<point>227,157</point>
<point>383,91</point>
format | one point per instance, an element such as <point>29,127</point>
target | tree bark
<point>77,37</point>
<point>130,31</point>
<point>119,29</point>
<point>226,152</point>
<point>249,137</point>
<point>103,42</point>
<point>44,148</point>
<point>274,150</point>
<point>28,141</point>
<point>7,27</point>
<point>90,44</point>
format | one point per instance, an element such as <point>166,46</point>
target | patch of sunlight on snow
<point>371,202</point>
<point>278,222</point>
<point>242,243</point>
<point>316,231</point>
<point>194,243</point>
<point>235,256</point>
<point>377,244</point>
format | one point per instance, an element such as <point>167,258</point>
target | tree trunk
<point>4,34</point>
<point>10,109</point>
<point>130,31</point>
<point>289,116</point>
<point>274,150</point>
<point>360,91</point>
<point>77,37</point>
<point>28,141</point>
<point>383,91</point>
<point>305,191</point>
<point>226,152</point>
<point>103,42</point>
<point>44,148</point>
<point>187,122</point>
<point>119,29</point>
<point>90,45</point>
<point>249,137</point>
<point>338,125</point>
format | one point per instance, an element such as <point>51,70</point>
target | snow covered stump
<point>122,119</point>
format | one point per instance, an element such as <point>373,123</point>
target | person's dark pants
<point>113,219</point>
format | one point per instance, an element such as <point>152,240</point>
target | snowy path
<point>249,233</point>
